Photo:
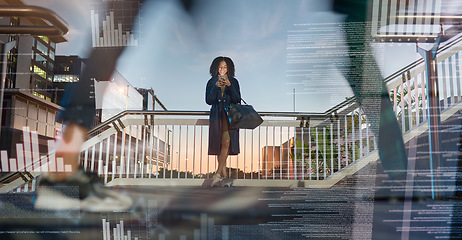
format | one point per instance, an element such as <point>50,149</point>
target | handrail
<point>58,26</point>
<point>204,113</point>
<point>421,60</point>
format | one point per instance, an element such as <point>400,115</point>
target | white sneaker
<point>216,180</point>
<point>226,182</point>
<point>81,191</point>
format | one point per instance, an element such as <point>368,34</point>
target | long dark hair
<point>216,62</point>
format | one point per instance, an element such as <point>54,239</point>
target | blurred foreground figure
<point>369,87</point>
<point>57,191</point>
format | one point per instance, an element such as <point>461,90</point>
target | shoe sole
<point>50,199</point>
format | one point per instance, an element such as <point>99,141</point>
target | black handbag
<point>243,116</point>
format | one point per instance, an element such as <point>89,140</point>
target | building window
<point>41,96</point>
<point>42,48</point>
<point>66,78</point>
<point>52,55</point>
<point>40,72</point>
<point>41,60</point>
<point>38,94</point>
<point>45,39</point>
<point>38,84</point>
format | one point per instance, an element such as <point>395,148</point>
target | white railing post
<point>122,153</point>
<point>403,111</point>
<point>295,153</point>
<point>245,147</point>
<point>100,158</point>
<point>416,101</point>
<point>92,165</point>
<point>172,149</point>
<point>151,139</point>
<point>168,149</point>
<point>200,152</point>
<point>317,155</point>
<point>107,159</point>
<point>339,156</point>
<point>143,153</point>
<point>194,152</point>
<point>367,136</point>
<point>424,97</point>
<point>288,153</point>
<point>310,167</point>
<point>409,103</point>
<point>266,153</point>
<point>324,151</point>
<point>186,157</point>
<point>179,152</point>
<point>353,157</point>
<point>395,100</point>
<point>281,150</point>
<point>135,160</point>
<point>346,140</point>
<point>130,132</point>
<point>451,80</point>
<point>360,128</point>
<point>114,156</point>
<point>259,153</point>
<point>331,149</point>
<point>444,85</point>
<point>303,152</point>
<point>251,154</point>
<point>458,78</point>
<point>85,161</point>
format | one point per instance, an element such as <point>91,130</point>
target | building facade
<point>67,72</point>
<point>28,89</point>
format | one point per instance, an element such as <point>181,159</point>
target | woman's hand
<point>223,81</point>
<point>220,83</point>
<point>226,81</point>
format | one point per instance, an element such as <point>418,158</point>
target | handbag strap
<point>244,101</point>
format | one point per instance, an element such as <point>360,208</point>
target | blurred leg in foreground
<point>77,189</point>
<point>369,88</point>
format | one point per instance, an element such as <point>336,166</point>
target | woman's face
<point>222,68</point>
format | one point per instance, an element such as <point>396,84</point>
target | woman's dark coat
<point>213,97</point>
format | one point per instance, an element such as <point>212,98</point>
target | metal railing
<point>281,148</point>
<point>407,87</point>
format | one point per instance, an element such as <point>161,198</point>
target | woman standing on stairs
<point>222,90</point>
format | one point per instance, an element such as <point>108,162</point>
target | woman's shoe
<point>80,191</point>
<point>227,182</point>
<point>216,180</point>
